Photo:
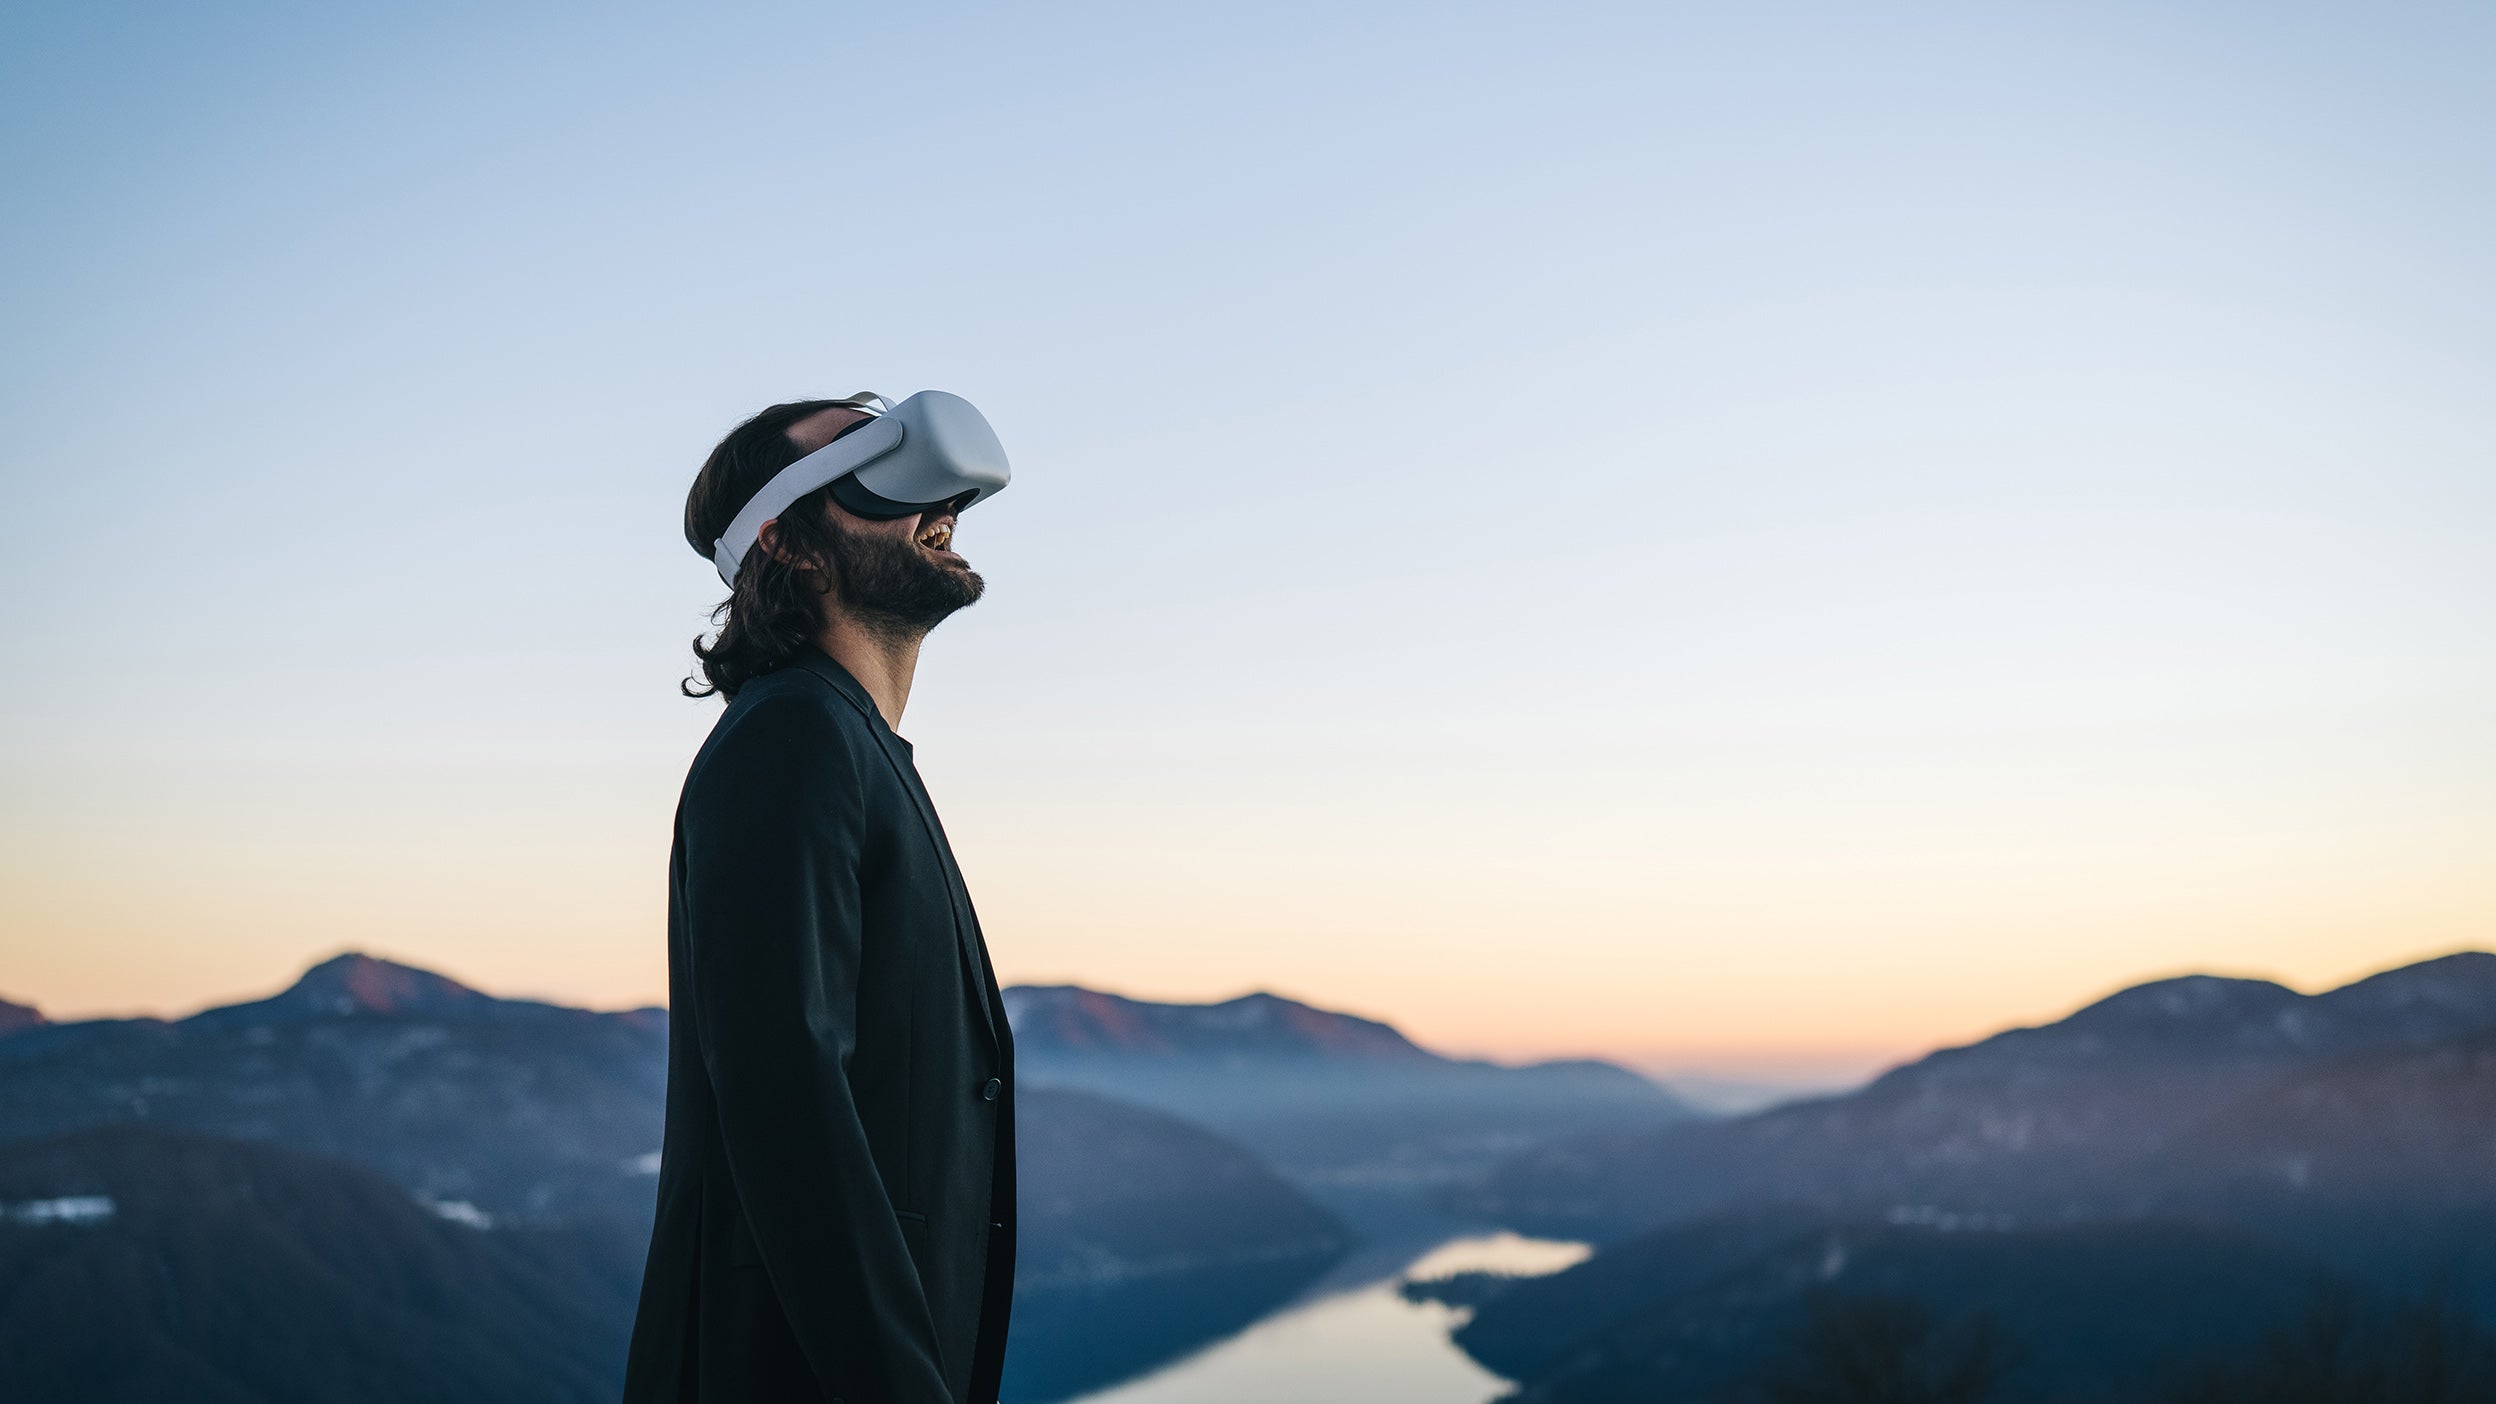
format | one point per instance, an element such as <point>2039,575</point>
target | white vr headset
<point>927,451</point>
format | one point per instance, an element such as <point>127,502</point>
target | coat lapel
<point>957,894</point>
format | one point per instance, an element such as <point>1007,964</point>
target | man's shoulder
<point>787,708</point>
<point>792,686</point>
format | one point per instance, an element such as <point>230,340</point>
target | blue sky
<point>1704,536</point>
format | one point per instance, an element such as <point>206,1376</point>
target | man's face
<point>898,576</point>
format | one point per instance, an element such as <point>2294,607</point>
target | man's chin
<point>904,587</point>
<point>958,585</point>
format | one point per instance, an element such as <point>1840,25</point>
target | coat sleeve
<point>773,839</point>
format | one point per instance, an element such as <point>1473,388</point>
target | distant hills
<point>355,983</point>
<point>523,1111</point>
<point>1143,1236</point>
<point>16,1018</point>
<point>1775,1305</point>
<point>1112,1194</point>
<point>140,1264</point>
<point>2207,1175</point>
<point>2061,1120</point>
<point>1069,1021</point>
<point>524,1135</point>
<point>1349,1108</point>
<point>528,1112</point>
<point>215,1271</point>
<point>2408,1126</point>
<point>2088,1210</point>
<point>2097,1312</point>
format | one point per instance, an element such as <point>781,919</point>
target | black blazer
<point>836,1192</point>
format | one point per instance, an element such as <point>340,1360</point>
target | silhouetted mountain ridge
<point>2221,1016</point>
<point>1072,1019</point>
<point>15,1018</point>
<point>358,984</point>
<point>2089,1210</point>
<point>526,1110</point>
<point>1348,1107</point>
<point>355,983</point>
<point>543,1122</point>
<point>2031,1121</point>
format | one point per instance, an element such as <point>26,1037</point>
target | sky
<point>1747,539</point>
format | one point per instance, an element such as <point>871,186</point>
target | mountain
<point>355,983</point>
<point>1059,1021</point>
<point>139,1264</point>
<point>2417,1125</point>
<point>1113,1193</point>
<point>533,1111</point>
<point>2382,1161</point>
<point>1775,1306</point>
<point>1143,1235</point>
<point>17,1018</point>
<point>2034,1122</point>
<point>522,1110</point>
<point>1348,1107</point>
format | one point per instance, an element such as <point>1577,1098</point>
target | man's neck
<point>882,663</point>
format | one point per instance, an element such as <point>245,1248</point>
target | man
<point>836,1192</point>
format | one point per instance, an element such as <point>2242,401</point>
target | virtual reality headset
<point>930,450</point>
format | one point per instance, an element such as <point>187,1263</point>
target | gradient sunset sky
<point>1755,538</point>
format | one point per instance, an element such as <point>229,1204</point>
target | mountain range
<point>2089,1312</point>
<point>523,1111</point>
<point>529,1111</point>
<point>217,1271</point>
<point>271,1200</point>
<point>2077,1211</point>
<point>524,1136</point>
<point>2099,1111</point>
<point>1348,1108</point>
<point>15,1018</point>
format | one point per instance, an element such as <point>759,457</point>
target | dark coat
<point>836,1193</point>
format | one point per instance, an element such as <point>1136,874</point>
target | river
<point>1351,1338</point>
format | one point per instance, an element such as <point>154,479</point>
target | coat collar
<point>898,751</point>
<point>824,666</point>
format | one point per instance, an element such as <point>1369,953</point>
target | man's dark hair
<point>775,609</point>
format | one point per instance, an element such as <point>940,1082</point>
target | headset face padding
<point>858,500</point>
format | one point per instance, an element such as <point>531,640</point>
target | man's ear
<point>767,540</point>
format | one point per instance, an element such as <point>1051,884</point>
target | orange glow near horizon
<point>1807,966</point>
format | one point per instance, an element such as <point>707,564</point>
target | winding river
<point>1350,1338</point>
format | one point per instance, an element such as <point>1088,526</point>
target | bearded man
<point>836,1191</point>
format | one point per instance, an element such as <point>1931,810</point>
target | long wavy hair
<point>775,610</point>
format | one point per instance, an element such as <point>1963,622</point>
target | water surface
<point>1351,1339</point>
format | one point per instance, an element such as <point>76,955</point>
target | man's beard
<point>890,588</point>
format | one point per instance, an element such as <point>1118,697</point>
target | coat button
<point>988,1090</point>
